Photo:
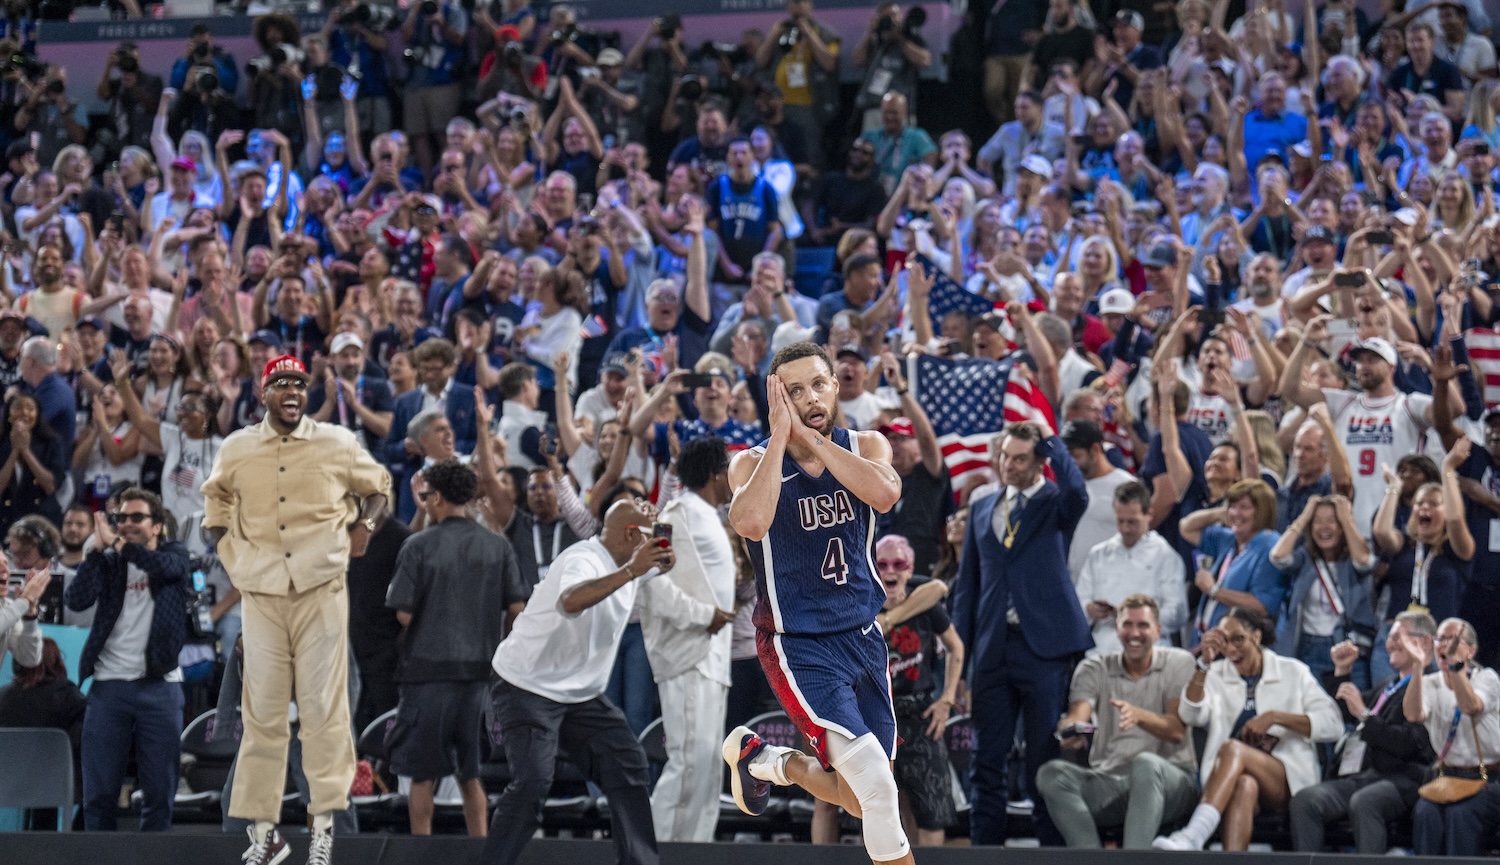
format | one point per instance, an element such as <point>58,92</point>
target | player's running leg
<point>862,783</point>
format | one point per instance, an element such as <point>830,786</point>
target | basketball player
<point>805,502</point>
<point>1378,424</point>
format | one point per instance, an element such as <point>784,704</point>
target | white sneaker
<point>271,851</point>
<point>1176,841</point>
<point>320,852</point>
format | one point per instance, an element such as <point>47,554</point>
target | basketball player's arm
<point>871,477</point>
<point>756,479</point>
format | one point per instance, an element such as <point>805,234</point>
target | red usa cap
<point>901,426</point>
<point>284,365</point>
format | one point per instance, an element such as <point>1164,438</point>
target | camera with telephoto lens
<point>792,35</point>
<point>514,53</point>
<point>429,8</point>
<point>201,53</point>
<point>371,17</point>
<point>128,63</point>
<point>670,24</point>
<point>283,54</point>
<point>207,81</point>
<point>519,115</point>
<point>691,88</point>
<point>28,66</point>
<point>55,86</point>
<point>915,18</point>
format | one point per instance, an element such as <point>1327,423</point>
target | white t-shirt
<point>123,657</point>
<point>1376,432</point>
<point>862,412</point>
<point>1211,413</point>
<point>1439,702</point>
<point>185,464</point>
<point>1098,523</point>
<point>568,658</point>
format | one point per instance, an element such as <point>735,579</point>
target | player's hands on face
<point>781,409</point>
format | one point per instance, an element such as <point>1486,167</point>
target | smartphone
<point>549,439</point>
<point>1082,728</point>
<point>1480,148</point>
<point>1380,238</point>
<point>663,534</point>
<point>1473,265</point>
<point>1350,280</point>
<point>1210,319</point>
<point>698,379</point>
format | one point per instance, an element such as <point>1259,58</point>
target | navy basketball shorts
<point>837,682</point>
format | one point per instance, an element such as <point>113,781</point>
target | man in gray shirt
<point>455,584</point>
<point>1141,767</point>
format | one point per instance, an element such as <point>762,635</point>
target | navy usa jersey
<point>815,569</point>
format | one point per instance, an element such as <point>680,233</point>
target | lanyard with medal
<point>1421,568</point>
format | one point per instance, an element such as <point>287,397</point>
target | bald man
<point>553,669</point>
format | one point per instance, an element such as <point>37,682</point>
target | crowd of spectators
<point>1244,255</point>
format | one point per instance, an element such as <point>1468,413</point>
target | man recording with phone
<point>553,669</point>
<point>1122,709</point>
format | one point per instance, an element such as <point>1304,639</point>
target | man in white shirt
<point>601,403</point>
<point>683,615</point>
<point>1473,54</point>
<point>554,667</point>
<point>1085,442</point>
<point>1263,282</point>
<point>1134,561</point>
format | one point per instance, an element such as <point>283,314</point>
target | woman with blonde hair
<point>1480,121</point>
<point>1098,265</point>
<point>1454,208</point>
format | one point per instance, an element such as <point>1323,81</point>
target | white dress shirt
<point>676,609</point>
<point>1098,522</point>
<point>568,657</point>
<point>1113,572</point>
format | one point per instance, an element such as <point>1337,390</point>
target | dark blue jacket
<point>460,412</point>
<point>1032,572</point>
<point>101,579</point>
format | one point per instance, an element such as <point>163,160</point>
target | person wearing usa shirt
<point>1270,127</point>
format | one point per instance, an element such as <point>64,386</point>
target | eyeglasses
<point>891,564</point>
<point>121,517</point>
<point>425,210</point>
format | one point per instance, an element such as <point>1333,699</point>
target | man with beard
<point>77,528</point>
<point>288,503</point>
<point>1122,710</point>
<point>1319,250</point>
<point>805,501</point>
<point>1210,186</point>
<point>50,302</point>
<point>349,398</point>
<point>847,199</point>
<point>1377,425</point>
<point>1263,281</point>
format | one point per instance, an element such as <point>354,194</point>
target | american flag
<point>968,401</point>
<point>948,296</point>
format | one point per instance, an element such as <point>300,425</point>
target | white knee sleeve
<point>866,771</point>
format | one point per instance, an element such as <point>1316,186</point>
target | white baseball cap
<point>1116,300</point>
<point>344,340</point>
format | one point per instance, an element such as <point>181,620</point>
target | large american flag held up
<point>968,401</point>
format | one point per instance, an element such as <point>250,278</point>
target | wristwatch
<point>1202,667</point>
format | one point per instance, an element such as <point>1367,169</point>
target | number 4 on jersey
<point>834,565</point>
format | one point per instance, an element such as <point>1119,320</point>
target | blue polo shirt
<point>1265,134</point>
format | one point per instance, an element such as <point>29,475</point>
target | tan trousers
<point>300,638</point>
<point>1002,81</point>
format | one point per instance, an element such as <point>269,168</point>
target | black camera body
<point>128,63</point>
<point>429,8</point>
<point>373,18</point>
<point>690,89</point>
<point>207,81</point>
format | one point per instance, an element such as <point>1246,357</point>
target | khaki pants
<point>1002,81</point>
<point>301,638</point>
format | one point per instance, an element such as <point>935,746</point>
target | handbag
<point>1446,789</point>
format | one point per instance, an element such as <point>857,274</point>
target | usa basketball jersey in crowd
<point>815,568</point>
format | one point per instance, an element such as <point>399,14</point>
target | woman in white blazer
<point>1263,713</point>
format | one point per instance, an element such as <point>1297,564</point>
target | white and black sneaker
<point>321,850</point>
<point>271,851</point>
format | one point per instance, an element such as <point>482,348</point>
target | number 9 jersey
<point>815,569</point>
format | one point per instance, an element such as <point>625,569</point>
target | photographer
<point>659,59</point>
<point>56,120</point>
<point>610,98</point>
<point>559,46</point>
<point>202,106</point>
<point>322,89</point>
<point>276,76</point>
<point>201,50</point>
<point>434,33</point>
<point>892,55</point>
<point>356,41</point>
<point>507,68</point>
<point>132,95</point>
<point>804,57</point>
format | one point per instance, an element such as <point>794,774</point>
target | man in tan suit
<point>288,502</point>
